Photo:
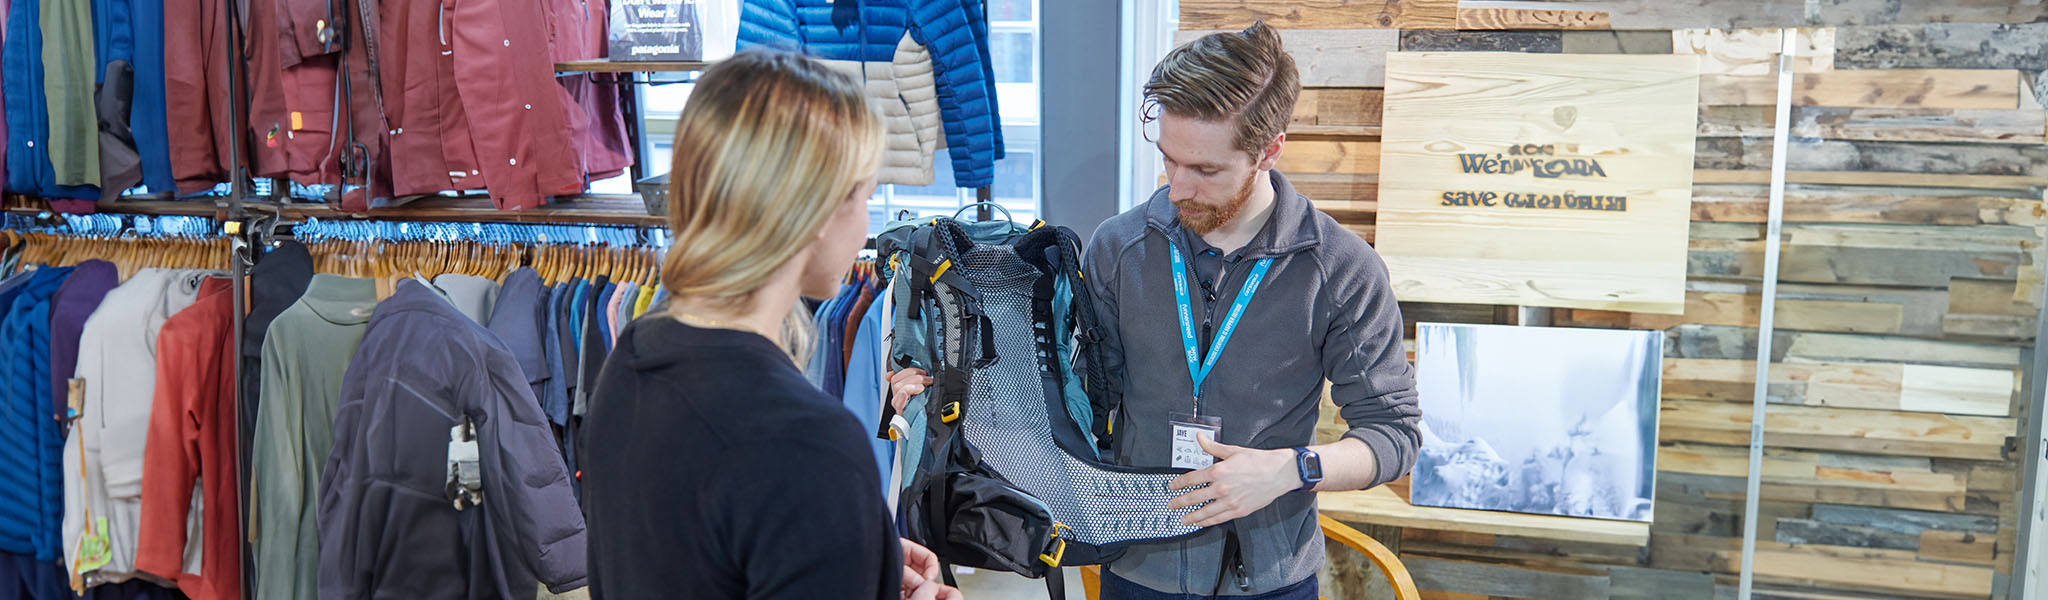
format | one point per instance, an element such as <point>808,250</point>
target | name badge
<point>1187,451</point>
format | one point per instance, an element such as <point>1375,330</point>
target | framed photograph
<point>1538,420</point>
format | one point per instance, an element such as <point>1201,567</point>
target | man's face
<point>1209,179</point>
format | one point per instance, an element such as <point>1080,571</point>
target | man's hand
<point>904,384</point>
<point>1242,481</point>
<point>921,575</point>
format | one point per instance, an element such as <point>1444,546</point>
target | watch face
<point>1312,467</point>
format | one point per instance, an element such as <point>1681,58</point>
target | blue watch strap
<point>1301,458</point>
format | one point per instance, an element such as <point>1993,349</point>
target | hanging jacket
<point>577,31</point>
<point>29,170</point>
<point>74,303</point>
<point>305,356</point>
<point>387,526</point>
<point>196,93</point>
<point>131,31</point>
<point>309,77</point>
<point>68,83</point>
<point>29,477</point>
<point>875,47</point>
<point>276,282</point>
<point>519,118</point>
<point>103,456</point>
<point>521,319</point>
<point>191,452</point>
<point>884,39</point>
<point>265,120</point>
<point>974,127</point>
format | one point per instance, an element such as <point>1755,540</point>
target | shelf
<point>595,209</point>
<point>1382,506</point>
<point>1332,131</point>
<point>30,205</point>
<point>625,66</point>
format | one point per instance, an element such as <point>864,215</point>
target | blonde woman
<point>715,469</point>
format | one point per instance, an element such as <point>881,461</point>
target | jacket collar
<point>341,300</point>
<point>1291,228</point>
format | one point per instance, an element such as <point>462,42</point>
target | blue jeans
<point>1118,588</point>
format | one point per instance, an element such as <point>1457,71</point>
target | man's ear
<point>1269,156</point>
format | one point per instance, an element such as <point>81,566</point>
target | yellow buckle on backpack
<point>943,267</point>
<point>1059,551</point>
<point>1035,225</point>
<point>949,413</point>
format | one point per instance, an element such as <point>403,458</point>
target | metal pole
<point>238,249</point>
<point>1765,322</point>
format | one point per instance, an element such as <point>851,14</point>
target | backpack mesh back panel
<point>1010,421</point>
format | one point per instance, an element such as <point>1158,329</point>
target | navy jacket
<point>387,528</point>
<point>522,321</point>
<point>954,31</point>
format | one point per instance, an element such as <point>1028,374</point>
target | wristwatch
<point>1311,466</point>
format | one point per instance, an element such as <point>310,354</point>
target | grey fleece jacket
<point>1324,312</point>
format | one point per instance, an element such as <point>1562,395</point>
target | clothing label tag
<point>298,120</point>
<point>94,549</point>
<point>74,398</point>
<point>1187,451</point>
<point>465,474</point>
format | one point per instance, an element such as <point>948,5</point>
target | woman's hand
<point>904,384</point>
<point>921,575</point>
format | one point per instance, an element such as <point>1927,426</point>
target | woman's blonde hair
<point>766,148</point>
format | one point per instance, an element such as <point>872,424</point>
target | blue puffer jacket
<point>954,31</point>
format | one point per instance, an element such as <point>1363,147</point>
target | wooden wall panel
<point>1330,57</point>
<point>1683,14</point>
<point>1808,204</point>
<point>2022,46</point>
<point>1880,124</point>
<point>1754,51</point>
<point>1341,107</point>
<point>1862,569</point>
<point>1893,180</point>
<point>1901,157</point>
<point>1617,42</point>
<point>1843,430</point>
<point>1882,386</point>
<point>1322,157</point>
<point>1548,42</point>
<point>1513,18</point>
<point>1899,88</point>
<point>1319,14</point>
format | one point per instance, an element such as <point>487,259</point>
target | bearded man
<point>1231,300</point>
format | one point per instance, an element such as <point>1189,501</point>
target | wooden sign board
<point>1538,180</point>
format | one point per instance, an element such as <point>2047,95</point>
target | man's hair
<point>1244,76</point>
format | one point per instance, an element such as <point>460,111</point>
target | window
<point>1013,48</point>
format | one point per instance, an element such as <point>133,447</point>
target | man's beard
<point>1202,221</point>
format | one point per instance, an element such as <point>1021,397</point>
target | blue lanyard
<point>1198,368</point>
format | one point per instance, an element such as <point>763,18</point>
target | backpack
<point>1000,456</point>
